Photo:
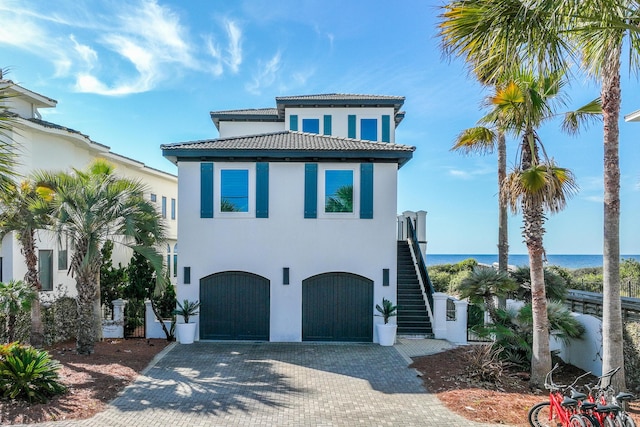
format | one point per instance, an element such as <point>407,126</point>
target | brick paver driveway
<point>277,384</point>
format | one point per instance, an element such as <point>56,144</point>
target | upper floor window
<point>369,129</point>
<point>173,208</point>
<point>338,191</point>
<point>164,207</point>
<point>311,125</point>
<point>234,190</point>
<point>153,197</point>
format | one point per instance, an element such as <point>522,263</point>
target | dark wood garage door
<point>234,306</point>
<point>337,307</point>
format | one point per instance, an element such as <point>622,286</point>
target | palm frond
<point>477,139</point>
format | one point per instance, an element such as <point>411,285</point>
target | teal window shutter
<point>351,126</point>
<point>386,128</point>
<point>206,190</point>
<point>311,190</point>
<point>262,190</point>
<point>327,125</point>
<point>293,122</point>
<point>366,190</point>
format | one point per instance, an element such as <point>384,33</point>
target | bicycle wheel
<point>576,421</point>
<point>611,422</point>
<point>539,415</point>
<point>590,420</point>
<point>625,420</point>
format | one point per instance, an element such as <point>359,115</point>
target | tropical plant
<point>29,374</point>
<point>112,279</point>
<point>514,330</point>
<point>555,284</point>
<point>387,310</point>
<point>90,207</point>
<point>484,284</point>
<point>7,121</point>
<point>25,210</point>
<point>15,297</point>
<point>341,200</point>
<point>187,309</point>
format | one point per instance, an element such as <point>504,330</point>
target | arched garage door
<point>234,306</point>
<point>337,307</point>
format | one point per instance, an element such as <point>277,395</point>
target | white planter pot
<point>386,333</point>
<point>186,332</point>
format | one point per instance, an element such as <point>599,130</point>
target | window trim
<point>217,194</point>
<point>322,189</point>
<point>173,208</point>
<point>164,207</point>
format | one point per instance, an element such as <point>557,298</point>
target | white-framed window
<point>45,269</point>
<point>235,190</point>
<point>338,189</point>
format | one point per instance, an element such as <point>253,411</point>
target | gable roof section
<point>35,98</point>
<point>633,117</point>
<point>248,115</point>
<point>287,146</point>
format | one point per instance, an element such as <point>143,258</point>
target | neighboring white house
<point>287,223</point>
<point>47,146</point>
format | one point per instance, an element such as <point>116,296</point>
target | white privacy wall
<point>264,246</point>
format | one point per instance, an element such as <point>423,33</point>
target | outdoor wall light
<point>187,275</point>
<point>285,276</point>
<point>385,277</point>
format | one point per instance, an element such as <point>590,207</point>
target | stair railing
<point>421,268</point>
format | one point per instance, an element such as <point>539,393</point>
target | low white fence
<point>450,325</point>
<point>153,328</point>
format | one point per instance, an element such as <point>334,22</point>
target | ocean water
<point>566,261</point>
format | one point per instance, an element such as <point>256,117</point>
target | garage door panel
<point>235,306</point>
<point>337,307</point>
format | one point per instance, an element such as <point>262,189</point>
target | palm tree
<point>90,207</point>
<point>24,210</point>
<point>536,185</point>
<point>484,284</point>
<point>7,120</point>
<point>341,200</point>
<point>545,34</point>
<point>600,39</point>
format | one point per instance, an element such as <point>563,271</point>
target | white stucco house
<point>288,228</point>
<point>43,145</point>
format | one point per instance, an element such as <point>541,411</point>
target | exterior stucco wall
<point>264,246</point>
<point>339,119</point>
<point>229,129</point>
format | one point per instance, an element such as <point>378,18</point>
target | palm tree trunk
<point>503,232</point>
<point>86,337</point>
<point>533,218</point>
<point>27,241</point>
<point>503,224</point>
<point>97,311</point>
<point>612,340</point>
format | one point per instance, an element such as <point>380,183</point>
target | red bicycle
<point>607,406</point>
<point>560,410</point>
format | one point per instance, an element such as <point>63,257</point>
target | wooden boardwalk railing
<point>591,303</point>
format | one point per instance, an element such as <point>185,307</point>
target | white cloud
<point>457,173</point>
<point>265,76</point>
<point>595,199</point>
<point>232,56</point>
<point>146,42</point>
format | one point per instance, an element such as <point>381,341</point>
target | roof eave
<point>181,154</point>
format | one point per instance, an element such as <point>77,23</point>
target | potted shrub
<point>386,331</point>
<point>186,330</point>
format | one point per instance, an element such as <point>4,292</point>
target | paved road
<point>276,384</point>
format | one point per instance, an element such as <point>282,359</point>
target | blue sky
<point>134,75</point>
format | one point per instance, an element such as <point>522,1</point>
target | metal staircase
<point>413,318</point>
